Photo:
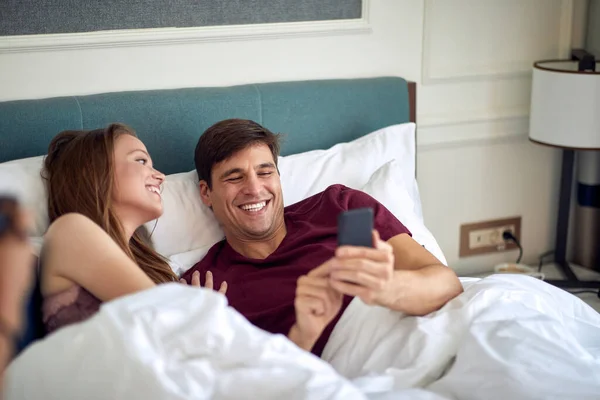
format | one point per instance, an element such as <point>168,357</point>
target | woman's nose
<point>159,175</point>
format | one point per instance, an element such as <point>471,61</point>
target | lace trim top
<point>68,307</point>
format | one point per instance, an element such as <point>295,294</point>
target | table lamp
<point>565,113</point>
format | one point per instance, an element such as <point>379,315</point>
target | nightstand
<point>552,271</point>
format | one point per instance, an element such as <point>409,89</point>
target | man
<point>282,268</point>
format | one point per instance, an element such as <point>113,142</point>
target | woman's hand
<point>209,282</point>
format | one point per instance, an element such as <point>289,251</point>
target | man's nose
<point>252,185</point>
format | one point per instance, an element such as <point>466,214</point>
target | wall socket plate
<point>486,236</point>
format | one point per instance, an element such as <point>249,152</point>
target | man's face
<point>246,194</point>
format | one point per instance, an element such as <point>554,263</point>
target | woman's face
<point>136,196</point>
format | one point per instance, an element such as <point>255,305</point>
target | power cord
<point>509,237</point>
<point>541,259</point>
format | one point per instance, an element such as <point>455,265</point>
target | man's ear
<point>205,193</point>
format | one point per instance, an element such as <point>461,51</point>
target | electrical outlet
<point>486,237</point>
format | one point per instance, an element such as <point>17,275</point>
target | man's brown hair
<point>225,138</point>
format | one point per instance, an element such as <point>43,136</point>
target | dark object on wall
<point>27,17</point>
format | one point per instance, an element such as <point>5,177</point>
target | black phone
<point>355,227</point>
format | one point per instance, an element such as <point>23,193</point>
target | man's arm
<point>398,274</point>
<point>421,283</point>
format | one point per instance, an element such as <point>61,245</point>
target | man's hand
<point>364,272</point>
<point>316,303</point>
<point>208,284</point>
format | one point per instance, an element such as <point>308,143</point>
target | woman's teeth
<point>153,189</point>
<point>254,207</point>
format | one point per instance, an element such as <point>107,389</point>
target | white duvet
<point>505,337</point>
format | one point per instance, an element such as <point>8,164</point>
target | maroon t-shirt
<point>264,290</point>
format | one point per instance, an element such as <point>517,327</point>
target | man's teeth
<point>254,207</point>
<point>153,189</point>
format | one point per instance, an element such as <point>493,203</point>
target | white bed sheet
<point>505,337</point>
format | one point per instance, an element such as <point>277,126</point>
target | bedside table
<point>552,271</point>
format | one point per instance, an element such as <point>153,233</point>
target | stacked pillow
<point>387,187</point>
<point>381,164</point>
<point>351,164</point>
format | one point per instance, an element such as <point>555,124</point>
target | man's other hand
<point>316,303</point>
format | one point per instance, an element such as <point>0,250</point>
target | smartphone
<point>355,227</point>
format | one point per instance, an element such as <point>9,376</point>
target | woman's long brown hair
<point>79,171</point>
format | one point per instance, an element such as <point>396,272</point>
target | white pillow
<point>387,187</point>
<point>186,224</point>
<point>188,229</point>
<point>351,164</point>
<point>22,179</point>
<point>181,262</point>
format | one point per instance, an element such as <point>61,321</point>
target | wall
<point>471,59</point>
<point>593,31</point>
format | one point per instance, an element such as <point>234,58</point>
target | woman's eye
<point>142,161</point>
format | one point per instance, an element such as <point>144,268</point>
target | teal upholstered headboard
<point>310,114</point>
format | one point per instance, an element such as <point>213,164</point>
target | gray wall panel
<point>24,17</point>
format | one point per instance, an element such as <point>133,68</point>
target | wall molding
<point>473,116</point>
<point>462,130</point>
<point>149,37</point>
<point>509,69</point>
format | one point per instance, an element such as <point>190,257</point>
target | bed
<point>496,340</point>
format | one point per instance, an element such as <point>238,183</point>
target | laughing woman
<point>102,187</point>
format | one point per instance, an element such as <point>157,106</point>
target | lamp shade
<point>565,105</point>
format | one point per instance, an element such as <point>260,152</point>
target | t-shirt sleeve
<point>384,221</point>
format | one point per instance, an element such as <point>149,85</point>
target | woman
<point>102,187</point>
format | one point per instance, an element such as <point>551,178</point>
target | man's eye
<point>142,161</point>
<point>265,173</point>
<point>237,178</point>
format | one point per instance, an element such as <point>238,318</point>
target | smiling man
<point>283,269</point>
